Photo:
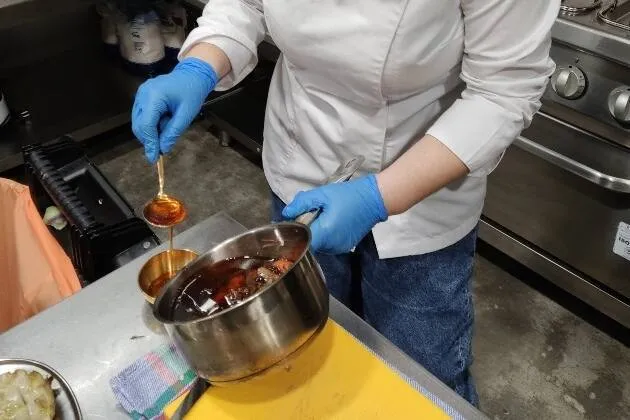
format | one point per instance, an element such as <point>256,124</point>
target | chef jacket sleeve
<point>235,26</point>
<point>505,67</point>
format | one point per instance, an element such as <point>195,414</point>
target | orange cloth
<point>35,272</point>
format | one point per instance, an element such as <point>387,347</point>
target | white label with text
<point>622,241</point>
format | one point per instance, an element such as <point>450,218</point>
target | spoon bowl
<point>164,211</point>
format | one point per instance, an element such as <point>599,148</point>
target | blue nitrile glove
<point>165,106</point>
<point>349,211</point>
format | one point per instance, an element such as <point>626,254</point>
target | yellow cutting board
<point>334,377</point>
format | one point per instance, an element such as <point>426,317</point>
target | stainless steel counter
<point>95,334</point>
<point>586,32</point>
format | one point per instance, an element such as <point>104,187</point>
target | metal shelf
<point>81,92</point>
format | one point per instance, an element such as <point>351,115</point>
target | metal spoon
<point>164,210</point>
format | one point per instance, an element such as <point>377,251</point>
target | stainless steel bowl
<point>254,335</point>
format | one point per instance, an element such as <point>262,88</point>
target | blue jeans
<point>421,303</point>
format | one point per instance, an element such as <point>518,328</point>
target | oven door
<point>559,202</point>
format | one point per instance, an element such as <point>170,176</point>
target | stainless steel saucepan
<point>242,341</point>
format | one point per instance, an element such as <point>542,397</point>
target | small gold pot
<point>160,269</point>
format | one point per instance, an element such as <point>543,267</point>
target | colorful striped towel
<point>150,383</point>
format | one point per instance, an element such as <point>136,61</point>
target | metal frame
<point>229,132</point>
<point>609,182</point>
<point>561,275</point>
<point>604,15</point>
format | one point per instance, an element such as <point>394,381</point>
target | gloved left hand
<point>349,210</point>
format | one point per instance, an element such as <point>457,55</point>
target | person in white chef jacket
<point>430,92</point>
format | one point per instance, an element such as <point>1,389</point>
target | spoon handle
<point>160,170</point>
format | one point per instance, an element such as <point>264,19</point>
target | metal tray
<point>66,404</point>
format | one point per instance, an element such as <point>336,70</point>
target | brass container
<point>160,269</point>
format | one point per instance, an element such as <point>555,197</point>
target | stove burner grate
<point>616,15</point>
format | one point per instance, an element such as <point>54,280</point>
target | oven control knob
<point>568,82</point>
<point>619,104</point>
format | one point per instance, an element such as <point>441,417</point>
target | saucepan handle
<point>343,173</point>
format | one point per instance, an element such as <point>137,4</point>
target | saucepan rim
<point>185,271</point>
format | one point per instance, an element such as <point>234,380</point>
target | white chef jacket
<point>371,77</point>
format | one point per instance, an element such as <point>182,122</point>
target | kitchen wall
<point>34,30</point>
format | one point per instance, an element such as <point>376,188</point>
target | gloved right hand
<point>349,212</point>
<point>166,105</point>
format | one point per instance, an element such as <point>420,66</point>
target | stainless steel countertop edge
<point>615,48</point>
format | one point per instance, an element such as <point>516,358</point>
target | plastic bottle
<point>141,44</point>
<point>108,13</point>
<point>173,28</point>
<point>4,110</point>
